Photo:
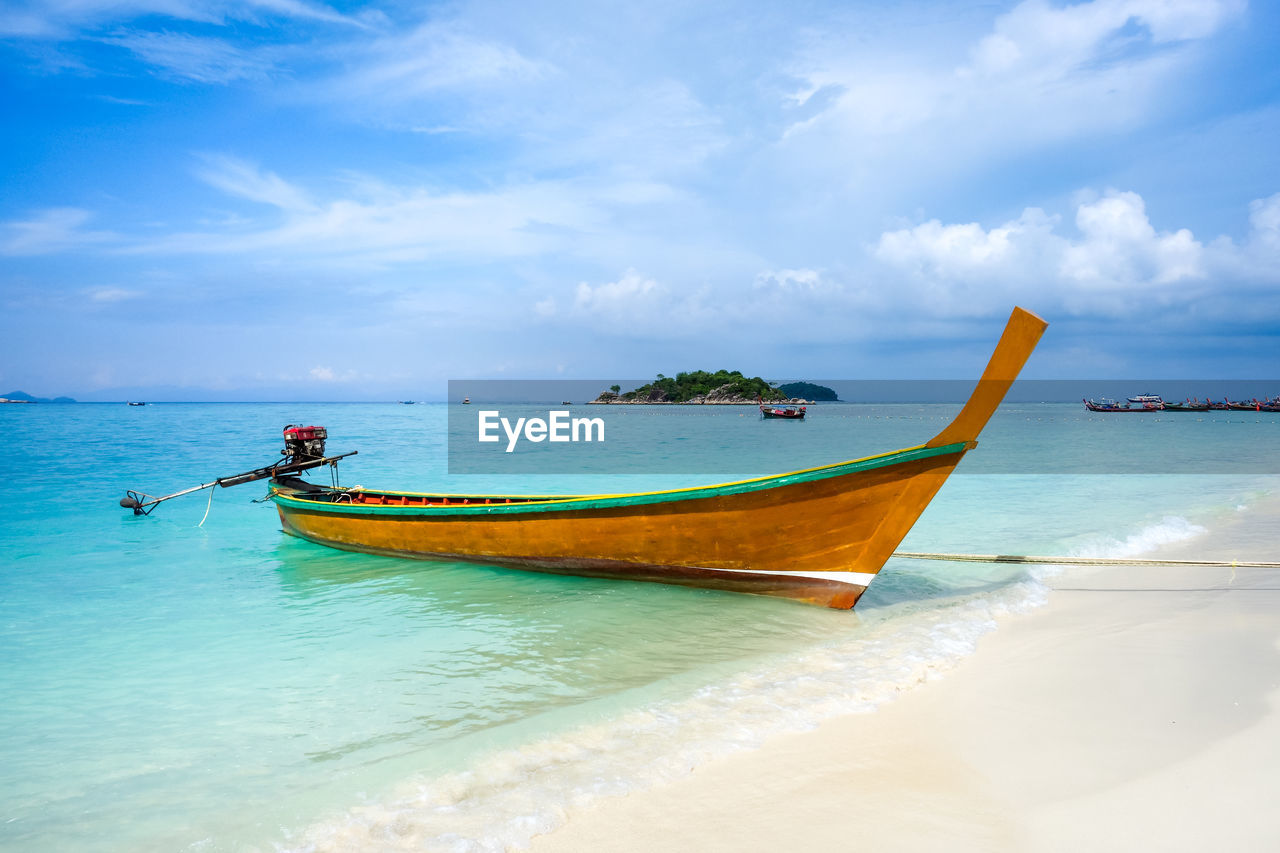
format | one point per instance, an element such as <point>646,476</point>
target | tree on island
<point>698,385</point>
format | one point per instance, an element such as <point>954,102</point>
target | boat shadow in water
<point>310,571</point>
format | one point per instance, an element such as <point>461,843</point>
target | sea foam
<point>507,798</point>
<point>511,796</point>
<point>1167,531</point>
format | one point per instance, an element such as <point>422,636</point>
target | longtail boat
<point>818,535</point>
<point>1105,405</point>
<point>793,413</point>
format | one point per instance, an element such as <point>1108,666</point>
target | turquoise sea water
<point>226,687</point>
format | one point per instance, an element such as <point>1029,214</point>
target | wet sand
<point>1139,709</point>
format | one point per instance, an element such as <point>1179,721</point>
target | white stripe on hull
<point>859,578</point>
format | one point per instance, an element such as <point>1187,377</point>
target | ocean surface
<point>171,686</point>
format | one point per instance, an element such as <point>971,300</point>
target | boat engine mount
<point>303,450</point>
<point>304,442</point>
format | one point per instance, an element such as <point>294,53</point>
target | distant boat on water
<point>135,403</point>
<point>406,402</point>
<point>466,401</point>
<point>786,413</point>
<point>1146,398</point>
<point>1106,405</point>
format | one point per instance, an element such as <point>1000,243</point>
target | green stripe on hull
<point>572,503</point>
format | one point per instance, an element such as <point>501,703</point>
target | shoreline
<point>1138,709</point>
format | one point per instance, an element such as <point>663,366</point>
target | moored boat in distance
<point>1188,406</point>
<point>1146,398</point>
<point>783,412</point>
<point>1107,405</point>
<point>134,403</point>
<point>817,535</point>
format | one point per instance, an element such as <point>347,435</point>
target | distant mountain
<point>809,391</point>
<point>27,398</point>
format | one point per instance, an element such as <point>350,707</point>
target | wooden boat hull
<point>818,536</point>
<point>786,540</point>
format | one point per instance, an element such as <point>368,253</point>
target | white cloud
<point>111,294</point>
<point>53,230</point>
<point>1264,219</point>
<point>1039,75</point>
<point>322,373</point>
<point>637,305</point>
<point>627,298</point>
<point>1116,263</point>
<point>1038,39</point>
<point>1121,248</point>
<point>794,281</point>
<point>58,19</point>
<point>430,59</point>
<point>198,58</point>
<point>244,180</point>
<point>374,223</point>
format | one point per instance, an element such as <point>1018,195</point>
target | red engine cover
<point>305,433</point>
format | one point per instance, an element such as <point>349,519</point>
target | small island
<point>24,397</point>
<point>809,391</point>
<point>701,387</point>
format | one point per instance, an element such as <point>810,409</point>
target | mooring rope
<point>1082,561</point>
<point>207,507</point>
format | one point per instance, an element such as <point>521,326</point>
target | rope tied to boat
<point>207,507</point>
<point>1082,561</point>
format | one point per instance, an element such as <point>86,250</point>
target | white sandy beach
<point>1138,710</point>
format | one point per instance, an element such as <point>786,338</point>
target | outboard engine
<point>303,450</point>
<point>304,442</point>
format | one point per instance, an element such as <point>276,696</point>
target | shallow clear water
<point>174,687</point>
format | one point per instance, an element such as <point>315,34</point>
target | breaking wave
<point>508,797</point>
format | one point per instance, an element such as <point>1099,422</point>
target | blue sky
<point>281,199</point>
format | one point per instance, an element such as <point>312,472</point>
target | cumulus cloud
<point>629,296</point>
<point>637,304</point>
<point>1116,262</point>
<point>794,281</point>
<point>1120,248</point>
<point>322,373</point>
